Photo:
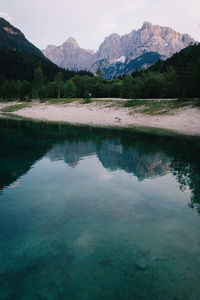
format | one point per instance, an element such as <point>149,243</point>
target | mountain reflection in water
<point>145,156</point>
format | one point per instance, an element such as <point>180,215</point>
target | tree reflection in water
<point>143,155</point>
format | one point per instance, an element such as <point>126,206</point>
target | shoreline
<point>183,121</point>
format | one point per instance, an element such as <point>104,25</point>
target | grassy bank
<point>14,107</point>
<point>160,107</point>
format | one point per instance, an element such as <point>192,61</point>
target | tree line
<point>78,86</point>
<point>177,77</point>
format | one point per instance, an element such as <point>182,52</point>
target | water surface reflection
<point>90,214</point>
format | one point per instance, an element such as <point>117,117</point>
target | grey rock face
<point>150,38</point>
<point>111,48</point>
<point>70,56</point>
<point>119,49</point>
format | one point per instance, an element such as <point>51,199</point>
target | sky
<point>50,22</point>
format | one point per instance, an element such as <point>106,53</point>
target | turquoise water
<point>97,214</point>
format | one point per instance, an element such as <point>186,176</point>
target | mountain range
<point>117,54</point>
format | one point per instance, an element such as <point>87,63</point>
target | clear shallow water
<point>97,214</point>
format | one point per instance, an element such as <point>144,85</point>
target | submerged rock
<point>141,264</point>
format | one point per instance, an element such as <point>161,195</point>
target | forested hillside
<point>178,76</point>
<point>27,76</point>
<point>17,65</point>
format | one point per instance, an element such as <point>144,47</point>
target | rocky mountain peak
<point>111,47</point>
<point>72,42</point>
<point>186,38</point>
<point>146,25</point>
<point>70,55</point>
<point>113,36</point>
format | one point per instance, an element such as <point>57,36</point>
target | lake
<point>89,213</point>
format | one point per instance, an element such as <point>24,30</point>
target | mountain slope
<point>187,58</point>
<point>12,38</point>
<point>17,65</point>
<point>176,77</point>
<point>186,65</point>
<point>126,65</point>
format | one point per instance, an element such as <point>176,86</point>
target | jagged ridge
<point>163,41</point>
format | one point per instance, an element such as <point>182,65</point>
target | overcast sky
<point>52,22</point>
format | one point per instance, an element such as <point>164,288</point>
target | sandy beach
<point>185,120</point>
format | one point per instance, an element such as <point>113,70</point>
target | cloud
<point>6,16</point>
